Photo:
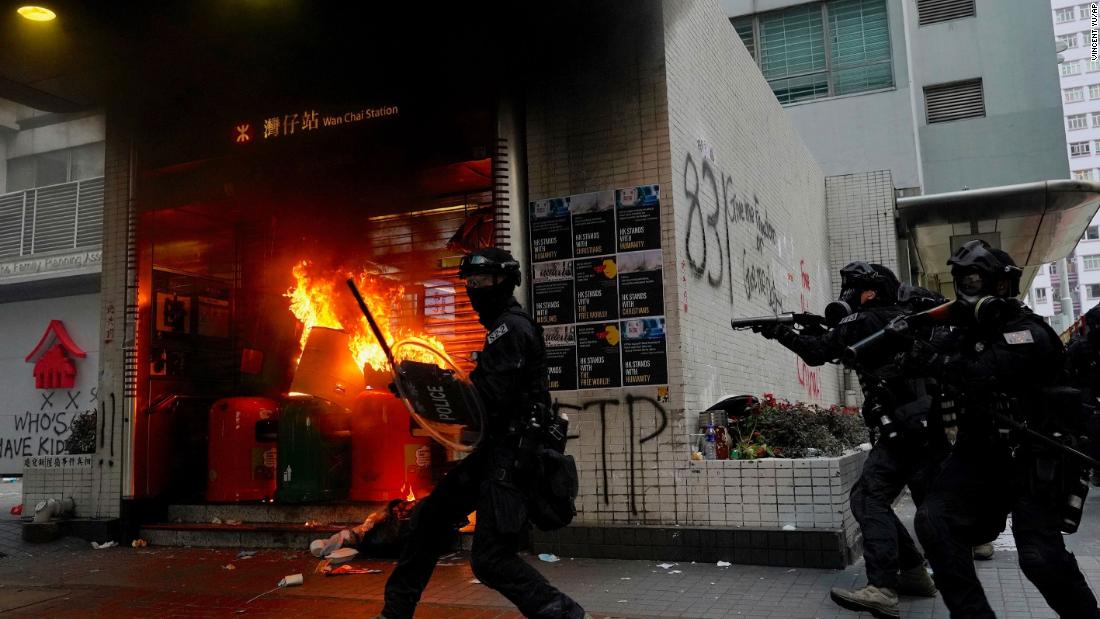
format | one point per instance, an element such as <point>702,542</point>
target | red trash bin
<point>387,461</point>
<point>242,449</point>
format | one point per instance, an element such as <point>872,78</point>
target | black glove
<point>771,331</point>
<point>923,359</point>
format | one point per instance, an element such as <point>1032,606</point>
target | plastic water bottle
<point>710,445</point>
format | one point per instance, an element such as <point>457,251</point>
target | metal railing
<point>52,218</point>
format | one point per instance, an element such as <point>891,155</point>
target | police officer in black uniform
<point>510,378</point>
<point>898,408</point>
<point>1004,358</point>
<point>1083,370</point>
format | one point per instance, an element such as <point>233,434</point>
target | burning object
<point>327,368</point>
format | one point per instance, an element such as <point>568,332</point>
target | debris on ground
<point>246,554</point>
<point>665,566</point>
<point>724,564</point>
<point>229,566</point>
<point>139,543</point>
<point>789,527</point>
<point>17,510</point>
<point>549,558</point>
<point>675,572</point>
<point>233,522</point>
<point>99,546</point>
<point>291,580</point>
<point>347,569</point>
<point>216,520</point>
<point>455,558</point>
<point>342,555</point>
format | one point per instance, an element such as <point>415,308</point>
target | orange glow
<point>321,299</point>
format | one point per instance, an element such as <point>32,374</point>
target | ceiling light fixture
<point>36,13</point>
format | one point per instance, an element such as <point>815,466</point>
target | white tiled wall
<point>681,86</point>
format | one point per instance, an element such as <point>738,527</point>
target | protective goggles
<point>474,260</point>
<point>969,284</point>
<point>481,280</point>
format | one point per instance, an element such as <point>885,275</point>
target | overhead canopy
<point>1035,223</point>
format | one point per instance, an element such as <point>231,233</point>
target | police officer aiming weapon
<point>894,405</point>
<point>898,336</point>
<point>1004,363</point>
<point>810,323</point>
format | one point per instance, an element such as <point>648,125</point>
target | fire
<point>321,299</point>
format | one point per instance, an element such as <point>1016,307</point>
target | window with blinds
<point>792,53</point>
<point>860,46</point>
<point>822,49</point>
<point>744,28</point>
<point>937,11</point>
<point>954,101</point>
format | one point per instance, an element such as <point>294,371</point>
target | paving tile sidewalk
<point>69,579</point>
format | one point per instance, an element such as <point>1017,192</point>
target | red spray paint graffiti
<point>807,376</point>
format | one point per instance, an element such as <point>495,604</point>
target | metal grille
<point>936,11</point>
<point>54,218</point>
<point>11,224</point>
<point>402,241</point>
<point>954,101</point>
<point>502,229</point>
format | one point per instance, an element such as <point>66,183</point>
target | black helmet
<point>855,278</point>
<point>978,268</point>
<point>862,276</point>
<point>1092,326</point>
<point>490,261</point>
<point>1092,318</point>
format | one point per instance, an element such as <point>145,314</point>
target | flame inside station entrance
<point>320,298</point>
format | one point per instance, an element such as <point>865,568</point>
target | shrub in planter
<point>81,439</point>
<point>783,429</point>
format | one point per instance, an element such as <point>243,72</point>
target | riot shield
<point>439,395</point>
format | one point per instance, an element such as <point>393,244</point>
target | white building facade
<point>51,222</point>
<point>940,95</point>
<point>1080,85</point>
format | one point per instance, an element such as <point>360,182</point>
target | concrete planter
<point>741,511</point>
<point>807,493</point>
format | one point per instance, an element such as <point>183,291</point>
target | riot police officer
<point>897,407</point>
<point>1003,359</point>
<point>1083,371</point>
<point>510,378</point>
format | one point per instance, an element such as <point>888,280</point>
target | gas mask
<point>985,311</point>
<point>846,304</point>
<point>489,302</point>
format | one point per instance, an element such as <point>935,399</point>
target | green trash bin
<point>314,455</point>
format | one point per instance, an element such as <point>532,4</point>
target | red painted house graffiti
<point>807,376</point>
<point>52,358</point>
